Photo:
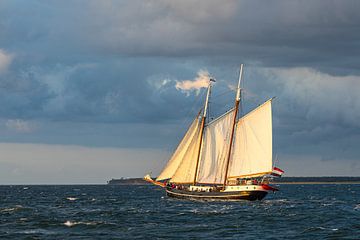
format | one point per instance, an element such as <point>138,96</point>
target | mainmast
<point>202,129</point>
<point>237,101</point>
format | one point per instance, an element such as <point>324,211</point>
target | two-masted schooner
<point>227,158</point>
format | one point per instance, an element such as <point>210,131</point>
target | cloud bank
<point>59,164</point>
<point>19,125</point>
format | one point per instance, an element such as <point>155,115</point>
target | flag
<point>277,172</point>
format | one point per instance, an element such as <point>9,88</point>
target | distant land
<point>282,180</point>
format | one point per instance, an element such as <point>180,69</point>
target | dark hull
<point>240,195</point>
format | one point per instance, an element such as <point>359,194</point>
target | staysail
<point>186,171</point>
<point>252,150</point>
<point>215,149</point>
<point>182,152</point>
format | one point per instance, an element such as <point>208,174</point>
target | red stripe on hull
<point>240,195</point>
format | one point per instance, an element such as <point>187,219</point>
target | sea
<point>315,211</point>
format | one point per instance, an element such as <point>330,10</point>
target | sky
<point>94,90</point>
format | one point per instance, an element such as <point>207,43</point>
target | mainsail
<point>215,149</point>
<point>183,151</point>
<point>252,150</point>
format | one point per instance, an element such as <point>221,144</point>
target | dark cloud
<point>275,34</point>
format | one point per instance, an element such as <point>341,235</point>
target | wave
<point>71,198</point>
<point>74,223</point>
<point>12,209</point>
<point>37,231</point>
<point>312,229</point>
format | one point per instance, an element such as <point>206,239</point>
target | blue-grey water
<point>144,212</point>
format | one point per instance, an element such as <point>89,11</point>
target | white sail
<point>185,173</point>
<point>215,149</point>
<point>252,149</point>
<point>181,151</point>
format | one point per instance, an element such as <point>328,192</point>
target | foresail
<point>252,149</point>
<point>186,171</point>
<point>215,149</point>
<point>181,151</point>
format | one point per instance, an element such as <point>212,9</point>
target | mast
<point>202,129</point>
<point>237,101</point>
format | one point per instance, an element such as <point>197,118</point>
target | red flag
<point>277,172</point>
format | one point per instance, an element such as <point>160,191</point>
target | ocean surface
<point>144,212</point>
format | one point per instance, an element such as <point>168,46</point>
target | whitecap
<point>71,224</point>
<point>71,198</point>
<point>310,229</point>
<point>30,231</point>
<point>7,210</point>
<point>37,231</point>
<point>11,209</point>
<point>326,204</point>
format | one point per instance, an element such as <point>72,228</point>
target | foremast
<point>237,102</point>
<point>202,129</point>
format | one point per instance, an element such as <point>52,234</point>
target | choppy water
<point>143,212</point>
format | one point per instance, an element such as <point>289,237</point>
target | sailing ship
<point>227,158</point>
